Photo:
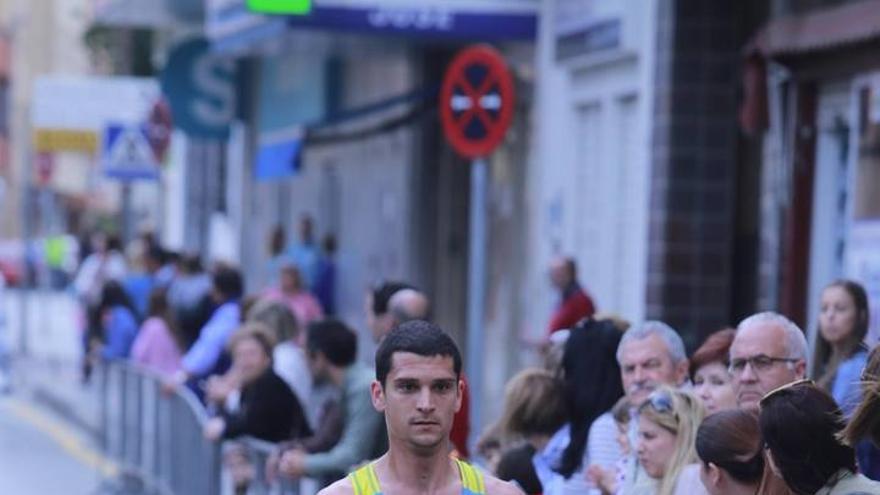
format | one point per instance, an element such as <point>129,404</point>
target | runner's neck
<point>424,474</point>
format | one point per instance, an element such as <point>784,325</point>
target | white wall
<point>588,183</point>
<point>829,186</point>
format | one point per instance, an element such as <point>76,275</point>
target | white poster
<point>863,266</point>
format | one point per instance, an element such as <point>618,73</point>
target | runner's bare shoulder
<point>341,487</point>
<point>494,486</point>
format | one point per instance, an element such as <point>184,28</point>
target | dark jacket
<point>268,410</point>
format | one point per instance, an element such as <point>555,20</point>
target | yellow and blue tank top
<point>365,482</point>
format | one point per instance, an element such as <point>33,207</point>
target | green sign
<point>280,6</point>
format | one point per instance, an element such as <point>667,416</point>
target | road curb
<point>63,408</point>
<point>56,386</point>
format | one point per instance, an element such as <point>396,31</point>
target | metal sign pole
<point>127,214</point>
<point>26,225</point>
<point>477,289</point>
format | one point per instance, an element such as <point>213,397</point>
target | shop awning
<point>823,30</point>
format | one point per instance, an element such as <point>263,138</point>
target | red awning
<point>822,30</point>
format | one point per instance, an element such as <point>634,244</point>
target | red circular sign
<point>476,101</point>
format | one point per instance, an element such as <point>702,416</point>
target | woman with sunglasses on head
<point>800,424</point>
<point>729,444</point>
<point>668,422</point>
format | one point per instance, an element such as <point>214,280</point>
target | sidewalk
<point>49,372</point>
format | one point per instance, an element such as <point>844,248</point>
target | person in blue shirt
<point>305,254</point>
<point>139,285</point>
<point>206,356</point>
<point>840,355</point>
<point>118,322</point>
<point>325,285</point>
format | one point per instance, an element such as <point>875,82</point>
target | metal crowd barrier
<point>157,442</point>
<point>156,439</point>
<point>258,452</point>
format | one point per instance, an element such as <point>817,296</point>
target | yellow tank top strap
<point>364,481</point>
<point>472,482</point>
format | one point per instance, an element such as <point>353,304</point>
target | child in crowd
<point>610,480</point>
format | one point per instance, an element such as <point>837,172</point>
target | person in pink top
<point>158,344</point>
<point>292,292</point>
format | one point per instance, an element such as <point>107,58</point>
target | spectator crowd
<point>615,408</point>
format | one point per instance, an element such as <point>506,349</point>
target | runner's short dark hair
<point>416,337</point>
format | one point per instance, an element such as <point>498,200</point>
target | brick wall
<point>694,157</point>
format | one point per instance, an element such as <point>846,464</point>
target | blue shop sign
<point>200,87</point>
<point>232,27</point>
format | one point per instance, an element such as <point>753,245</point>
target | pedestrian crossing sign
<point>126,153</point>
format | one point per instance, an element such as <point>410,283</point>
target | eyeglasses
<point>760,363</point>
<point>785,387</point>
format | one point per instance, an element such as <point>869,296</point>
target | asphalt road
<point>40,454</point>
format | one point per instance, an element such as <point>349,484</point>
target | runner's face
<point>419,398</point>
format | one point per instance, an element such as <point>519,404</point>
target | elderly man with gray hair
<point>769,351</point>
<point>650,355</point>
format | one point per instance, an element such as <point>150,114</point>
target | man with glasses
<point>769,351</point>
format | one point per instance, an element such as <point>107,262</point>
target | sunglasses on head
<point>661,401</point>
<point>787,386</point>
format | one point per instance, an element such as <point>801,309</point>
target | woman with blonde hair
<point>668,424</point>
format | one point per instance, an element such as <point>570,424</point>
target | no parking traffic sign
<point>476,101</point>
<point>476,108</point>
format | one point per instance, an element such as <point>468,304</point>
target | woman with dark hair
<point>863,430</point>
<point>712,382</point>
<point>839,353</point>
<point>118,322</point>
<point>729,446</point>
<point>800,424</point>
<point>159,344</point>
<point>591,385</point>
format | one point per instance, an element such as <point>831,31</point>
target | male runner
<point>418,387</point>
